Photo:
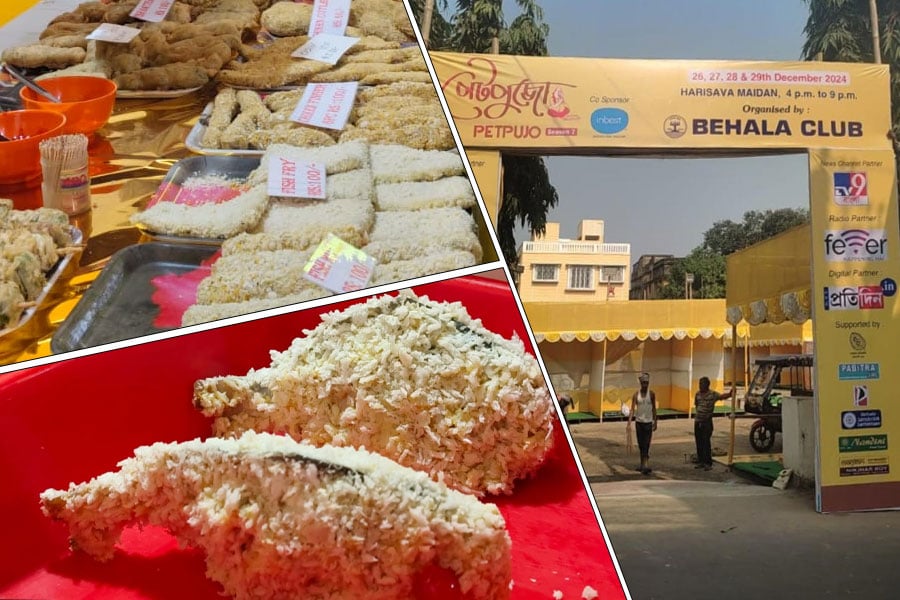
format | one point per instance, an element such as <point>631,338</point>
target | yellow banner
<point>571,105</point>
<point>856,267</point>
<point>487,167</point>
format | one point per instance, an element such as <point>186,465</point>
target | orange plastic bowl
<point>87,101</point>
<point>20,156</point>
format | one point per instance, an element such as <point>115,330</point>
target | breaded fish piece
<point>204,313</point>
<point>393,163</point>
<point>416,195</point>
<point>418,381</point>
<point>278,520</point>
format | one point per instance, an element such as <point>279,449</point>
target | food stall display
<point>254,79</point>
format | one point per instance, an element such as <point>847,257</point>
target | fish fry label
<point>117,34</point>
<point>339,267</point>
<point>325,47</point>
<point>290,178</point>
<point>153,11</point>
<point>329,16</point>
<point>326,105</point>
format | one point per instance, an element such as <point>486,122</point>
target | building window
<point>612,274</point>
<point>581,277</point>
<point>545,273</point>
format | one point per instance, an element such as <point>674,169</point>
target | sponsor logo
<point>858,343</point>
<point>888,287</point>
<point>865,470</point>
<point>860,419</point>
<point>858,371</point>
<point>855,244</point>
<point>862,443</point>
<point>851,297</point>
<point>851,189</point>
<point>675,126</point>
<point>860,395</point>
<point>609,121</point>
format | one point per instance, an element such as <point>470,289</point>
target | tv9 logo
<point>851,188</point>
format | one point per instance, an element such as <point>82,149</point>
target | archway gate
<point>838,114</point>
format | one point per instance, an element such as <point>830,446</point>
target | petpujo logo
<point>851,188</point>
<point>675,126</point>
<point>851,297</point>
<point>609,121</point>
<point>855,245</point>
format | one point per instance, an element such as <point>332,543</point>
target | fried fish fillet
<point>279,520</point>
<point>418,381</point>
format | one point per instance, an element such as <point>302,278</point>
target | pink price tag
<point>339,267</point>
<point>290,178</point>
<point>326,105</point>
<point>329,16</point>
<point>153,11</point>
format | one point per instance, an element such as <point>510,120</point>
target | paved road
<point>686,534</point>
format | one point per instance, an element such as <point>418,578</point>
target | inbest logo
<point>855,245</point>
<point>609,120</point>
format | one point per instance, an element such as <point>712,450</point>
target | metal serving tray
<point>118,305</point>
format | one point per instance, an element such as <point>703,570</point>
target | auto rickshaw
<point>775,378</point>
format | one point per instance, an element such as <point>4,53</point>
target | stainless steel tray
<point>118,305</point>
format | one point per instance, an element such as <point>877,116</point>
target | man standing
<point>704,406</point>
<point>643,411</point>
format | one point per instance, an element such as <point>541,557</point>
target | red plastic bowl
<point>87,101</point>
<point>20,156</point>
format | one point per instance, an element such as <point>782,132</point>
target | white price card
<point>118,34</point>
<point>153,11</point>
<point>326,105</point>
<point>325,47</point>
<point>329,16</point>
<point>289,178</point>
<point>339,267</point>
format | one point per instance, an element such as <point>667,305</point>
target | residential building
<point>650,275</point>
<point>582,269</point>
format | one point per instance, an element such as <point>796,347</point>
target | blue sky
<point>664,206</point>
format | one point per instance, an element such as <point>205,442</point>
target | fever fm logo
<point>851,189</point>
<point>855,245</point>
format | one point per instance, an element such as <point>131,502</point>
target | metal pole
<point>876,38</point>
<point>603,380</point>
<point>426,21</point>
<point>690,378</point>
<point>734,372</point>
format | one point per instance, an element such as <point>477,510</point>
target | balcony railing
<point>575,247</point>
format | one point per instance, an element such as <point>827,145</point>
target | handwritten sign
<point>329,16</point>
<point>117,34</point>
<point>153,11</point>
<point>326,105</point>
<point>289,178</point>
<point>325,47</point>
<point>339,267</point>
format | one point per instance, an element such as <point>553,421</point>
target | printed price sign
<point>325,47</point>
<point>326,105</point>
<point>329,16</point>
<point>153,11</point>
<point>117,34</point>
<point>339,267</point>
<point>290,178</point>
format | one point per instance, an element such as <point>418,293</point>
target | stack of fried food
<point>407,208</point>
<point>31,244</point>
<point>398,113</point>
<point>184,51</point>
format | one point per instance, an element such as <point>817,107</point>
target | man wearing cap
<point>643,411</point>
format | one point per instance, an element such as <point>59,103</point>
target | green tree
<point>841,31</point>
<point>707,261</point>
<point>479,26</point>
<point>726,237</point>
